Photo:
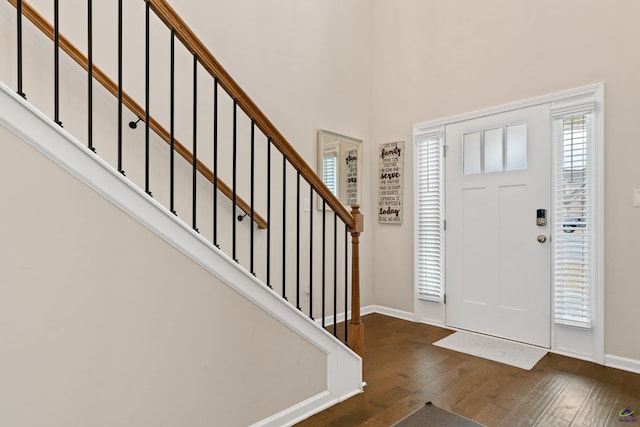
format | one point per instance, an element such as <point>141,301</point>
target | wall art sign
<point>390,182</point>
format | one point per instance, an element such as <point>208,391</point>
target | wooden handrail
<point>43,25</point>
<point>354,221</point>
<point>193,44</point>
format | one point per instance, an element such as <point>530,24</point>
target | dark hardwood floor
<point>403,371</point>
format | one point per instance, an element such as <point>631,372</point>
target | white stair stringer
<point>344,367</point>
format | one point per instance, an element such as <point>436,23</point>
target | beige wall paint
<point>372,70</point>
<point>305,64</point>
<point>148,338</point>
<point>439,58</point>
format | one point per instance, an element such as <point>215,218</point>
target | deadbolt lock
<point>541,217</point>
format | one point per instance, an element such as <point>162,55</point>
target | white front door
<point>497,271</point>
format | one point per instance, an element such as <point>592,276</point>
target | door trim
<point>583,344</point>
<point>566,99</point>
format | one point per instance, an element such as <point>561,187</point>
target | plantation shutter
<point>330,172</point>
<point>573,229</point>
<point>430,221</point>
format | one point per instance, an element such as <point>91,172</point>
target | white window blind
<point>330,172</point>
<point>573,219</point>
<point>430,221</point>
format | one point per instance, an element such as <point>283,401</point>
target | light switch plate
<point>636,197</point>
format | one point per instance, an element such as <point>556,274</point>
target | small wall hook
<point>133,124</point>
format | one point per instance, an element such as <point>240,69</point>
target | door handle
<point>542,238</point>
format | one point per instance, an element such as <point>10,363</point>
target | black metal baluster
<point>195,142</point>
<point>335,274</point>
<point>298,242</point>
<point>324,233</point>
<point>284,227</point>
<point>146,102</point>
<point>56,63</point>
<point>172,123</point>
<point>120,87</point>
<point>90,75</point>
<point>253,136</point>
<point>311,251</point>
<point>346,282</point>
<point>269,213</point>
<point>234,179</point>
<point>215,162</point>
<point>19,48</point>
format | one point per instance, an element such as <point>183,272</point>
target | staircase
<point>170,171</point>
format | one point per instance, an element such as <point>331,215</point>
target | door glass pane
<point>493,150</point>
<point>471,153</point>
<point>517,147</point>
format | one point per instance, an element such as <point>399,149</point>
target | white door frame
<point>587,344</point>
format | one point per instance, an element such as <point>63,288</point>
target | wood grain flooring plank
<point>502,390</point>
<point>567,404</point>
<point>536,403</point>
<point>404,371</point>
<point>618,417</point>
<point>598,406</point>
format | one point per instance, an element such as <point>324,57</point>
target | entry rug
<point>432,416</point>
<point>508,352</point>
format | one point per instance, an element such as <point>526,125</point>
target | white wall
<point>149,338</point>
<point>440,58</point>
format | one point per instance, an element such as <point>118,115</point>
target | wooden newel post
<point>356,327</point>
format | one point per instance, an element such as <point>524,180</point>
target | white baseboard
<point>299,412</point>
<point>618,362</point>
<point>434,323</point>
<point>572,355</point>
<point>369,309</point>
<point>391,312</point>
<point>303,410</point>
<point>328,320</point>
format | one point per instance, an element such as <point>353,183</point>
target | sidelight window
<point>429,216</point>
<point>573,202</point>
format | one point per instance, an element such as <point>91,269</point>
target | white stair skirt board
<point>508,352</point>
<point>344,367</point>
